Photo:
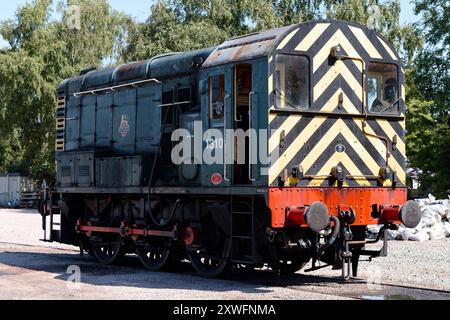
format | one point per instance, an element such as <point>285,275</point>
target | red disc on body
<point>216,179</point>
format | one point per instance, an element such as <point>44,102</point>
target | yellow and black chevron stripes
<point>388,50</point>
<point>355,40</point>
<point>60,123</point>
<point>365,42</point>
<point>337,78</point>
<point>319,143</point>
<point>323,139</point>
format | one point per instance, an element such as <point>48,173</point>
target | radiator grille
<point>60,123</point>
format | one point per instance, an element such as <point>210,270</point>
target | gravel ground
<point>30,269</point>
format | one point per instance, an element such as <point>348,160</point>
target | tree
<point>181,25</point>
<point>429,99</point>
<point>44,52</point>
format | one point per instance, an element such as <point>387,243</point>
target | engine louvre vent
<point>66,172</point>
<point>84,171</point>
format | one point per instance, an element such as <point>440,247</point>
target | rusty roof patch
<point>246,47</point>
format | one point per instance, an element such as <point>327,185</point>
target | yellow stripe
<point>330,76</point>
<point>287,39</point>
<point>337,39</point>
<point>365,42</point>
<point>390,133</point>
<point>347,163</point>
<point>272,116</point>
<point>381,148</point>
<point>312,37</point>
<point>389,51</point>
<point>287,127</point>
<point>362,152</point>
<point>320,147</point>
<point>293,149</point>
<point>331,104</point>
<point>403,124</point>
<point>323,144</point>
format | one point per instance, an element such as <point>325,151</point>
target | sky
<point>139,9</point>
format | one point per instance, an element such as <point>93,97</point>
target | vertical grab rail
<point>250,136</point>
<point>225,116</point>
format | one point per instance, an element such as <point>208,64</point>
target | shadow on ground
<point>129,273</point>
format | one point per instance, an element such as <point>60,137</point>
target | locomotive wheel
<point>208,266</point>
<point>153,259</point>
<point>107,252</point>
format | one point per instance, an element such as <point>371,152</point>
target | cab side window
<point>292,82</point>
<point>383,88</point>
<point>217,97</point>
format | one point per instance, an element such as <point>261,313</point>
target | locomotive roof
<point>267,42</point>
<point>159,67</point>
<point>242,48</point>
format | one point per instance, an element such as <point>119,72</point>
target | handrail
<point>113,88</point>
<point>225,116</point>
<point>250,148</point>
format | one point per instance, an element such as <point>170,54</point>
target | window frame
<point>399,89</point>
<point>275,81</point>
<point>210,96</point>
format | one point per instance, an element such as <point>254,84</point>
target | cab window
<point>292,82</point>
<point>217,97</point>
<point>383,88</point>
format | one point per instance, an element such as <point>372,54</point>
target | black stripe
<point>379,132</point>
<point>322,40</point>
<point>380,48</point>
<point>338,83</point>
<point>355,43</point>
<point>351,65</point>
<point>365,142</point>
<point>311,143</point>
<point>278,121</point>
<point>331,150</point>
<point>299,127</point>
<point>303,31</point>
<point>398,130</point>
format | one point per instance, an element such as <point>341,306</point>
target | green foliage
<point>43,53</point>
<point>436,20</point>
<point>429,99</point>
<point>182,25</point>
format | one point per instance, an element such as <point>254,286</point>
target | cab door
<point>217,101</point>
<point>249,104</point>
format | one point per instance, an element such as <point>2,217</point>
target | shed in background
<point>17,190</point>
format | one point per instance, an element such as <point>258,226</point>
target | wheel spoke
<point>107,252</point>
<point>154,259</point>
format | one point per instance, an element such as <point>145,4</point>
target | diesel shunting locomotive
<point>272,149</point>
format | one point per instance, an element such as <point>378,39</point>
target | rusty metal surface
<point>246,47</point>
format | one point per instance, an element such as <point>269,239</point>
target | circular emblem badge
<point>216,179</point>
<point>124,128</point>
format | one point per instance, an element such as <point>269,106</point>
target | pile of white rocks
<point>435,224</point>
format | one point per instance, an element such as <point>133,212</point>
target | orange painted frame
<point>360,199</point>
